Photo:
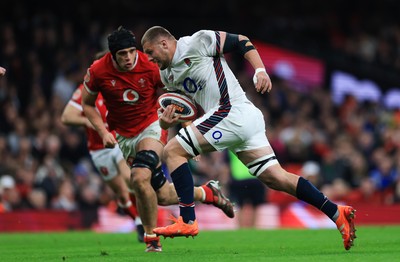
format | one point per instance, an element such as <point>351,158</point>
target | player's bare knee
<point>143,166</point>
<point>140,177</point>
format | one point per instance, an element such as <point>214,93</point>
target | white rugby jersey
<point>200,71</point>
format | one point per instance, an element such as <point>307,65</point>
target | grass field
<point>372,244</point>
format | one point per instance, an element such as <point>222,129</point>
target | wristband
<point>258,70</point>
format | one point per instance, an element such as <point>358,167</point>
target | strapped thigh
<point>258,166</point>
<point>187,139</point>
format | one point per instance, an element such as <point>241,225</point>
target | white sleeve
<point>204,41</point>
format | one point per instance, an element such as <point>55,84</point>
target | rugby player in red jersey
<point>109,162</point>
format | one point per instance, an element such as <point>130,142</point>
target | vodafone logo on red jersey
<point>130,96</point>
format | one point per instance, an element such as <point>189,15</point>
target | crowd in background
<point>350,151</point>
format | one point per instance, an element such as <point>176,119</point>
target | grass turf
<point>372,244</point>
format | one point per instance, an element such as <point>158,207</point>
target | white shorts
<point>106,161</point>
<point>128,144</point>
<point>242,129</point>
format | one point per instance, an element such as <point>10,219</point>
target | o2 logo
<point>217,136</point>
<point>130,96</point>
<point>190,85</point>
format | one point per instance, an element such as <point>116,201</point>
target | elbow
<point>64,119</point>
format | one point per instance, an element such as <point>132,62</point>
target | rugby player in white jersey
<point>195,65</point>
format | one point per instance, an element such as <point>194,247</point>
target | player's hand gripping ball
<point>184,106</point>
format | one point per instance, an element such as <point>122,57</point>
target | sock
<point>138,221</point>
<point>150,235</point>
<point>183,182</point>
<point>134,207</point>
<point>208,196</point>
<point>308,193</point>
<point>128,208</point>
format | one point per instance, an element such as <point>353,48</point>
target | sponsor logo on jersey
<point>113,82</point>
<point>130,96</point>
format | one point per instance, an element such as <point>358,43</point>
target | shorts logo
<point>104,170</point>
<point>217,135</point>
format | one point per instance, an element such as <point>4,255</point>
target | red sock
<point>134,207</point>
<point>209,195</point>
<point>131,211</point>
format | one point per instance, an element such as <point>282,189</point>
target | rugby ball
<point>184,105</point>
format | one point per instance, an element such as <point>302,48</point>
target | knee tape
<point>158,179</point>
<point>146,158</point>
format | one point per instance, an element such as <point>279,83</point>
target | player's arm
<point>2,71</point>
<point>72,116</point>
<point>242,45</point>
<point>89,108</point>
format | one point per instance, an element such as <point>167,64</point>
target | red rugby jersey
<point>131,97</point>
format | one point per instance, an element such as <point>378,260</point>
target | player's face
<point>157,52</point>
<point>126,58</point>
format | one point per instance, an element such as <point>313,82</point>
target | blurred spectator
<point>65,200</point>
<point>10,196</point>
<point>37,199</point>
<point>312,172</point>
<point>366,193</point>
<point>385,176</point>
<point>50,173</point>
<point>211,166</point>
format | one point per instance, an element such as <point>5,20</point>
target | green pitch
<point>372,244</point>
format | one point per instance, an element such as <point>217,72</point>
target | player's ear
<point>164,43</point>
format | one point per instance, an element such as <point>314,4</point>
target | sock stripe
<point>186,205</point>
<point>326,200</point>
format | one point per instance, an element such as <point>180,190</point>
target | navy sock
<point>183,182</point>
<point>308,193</point>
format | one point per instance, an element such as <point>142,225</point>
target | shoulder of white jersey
<point>201,42</point>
